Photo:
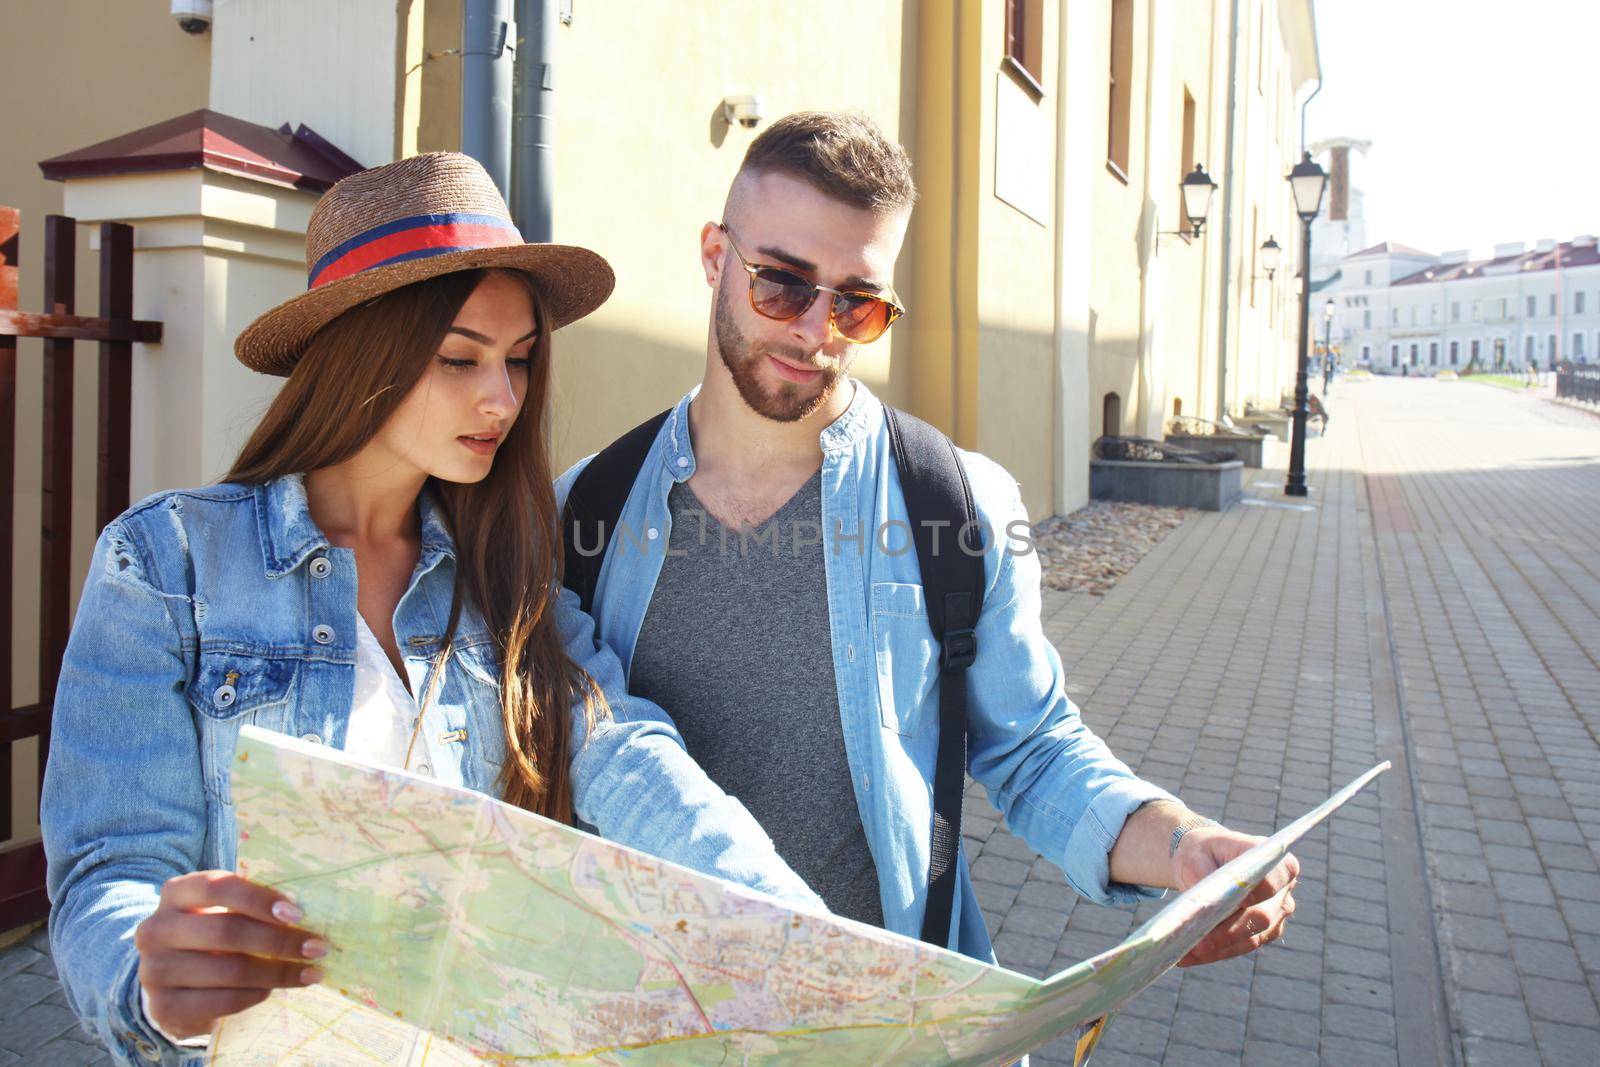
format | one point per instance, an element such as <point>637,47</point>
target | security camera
<point>194,16</point>
<point>747,111</point>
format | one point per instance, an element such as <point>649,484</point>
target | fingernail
<point>286,912</point>
<point>314,948</point>
<point>311,976</point>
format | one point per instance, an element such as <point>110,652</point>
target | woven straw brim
<point>571,281</point>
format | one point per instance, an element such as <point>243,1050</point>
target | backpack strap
<point>939,503</point>
<point>594,505</point>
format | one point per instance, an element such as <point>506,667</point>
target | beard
<point>745,359</point>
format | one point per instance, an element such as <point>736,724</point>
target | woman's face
<point>460,411</point>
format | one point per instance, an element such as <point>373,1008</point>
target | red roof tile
<point>300,159</point>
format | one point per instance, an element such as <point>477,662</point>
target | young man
<point>756,587</point>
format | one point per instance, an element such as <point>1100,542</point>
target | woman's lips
<point>483,446</point>
<point>793,374</point>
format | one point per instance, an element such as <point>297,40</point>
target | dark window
<point>1111,415</point>
<point>1186,162</point>
<point>1119,109</point>
<point>1433,353</point>
<point>1025,39</point>
<point>1455,353</point>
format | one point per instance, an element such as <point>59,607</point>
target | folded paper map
<point>466,931</point>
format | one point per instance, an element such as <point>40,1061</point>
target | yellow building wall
<point>1116,293</point>
<point>88,70</point>
<point>1015,387</point>
<point>637,174</point>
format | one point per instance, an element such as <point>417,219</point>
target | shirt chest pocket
<point>907,658</point>
<point>232,689</point>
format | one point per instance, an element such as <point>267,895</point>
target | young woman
<point>379,572</point>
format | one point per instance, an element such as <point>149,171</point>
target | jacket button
<point>321,567</point>
<point>224,695</point>
<point>311,739</point>
<point>683,461</point>
<point>322,635</point>
<point>423,768</point>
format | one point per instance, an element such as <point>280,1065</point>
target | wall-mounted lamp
<point>1271,253</point>
<point>1197,189</point>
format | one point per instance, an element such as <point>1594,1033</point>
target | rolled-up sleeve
<point>1059,786</point>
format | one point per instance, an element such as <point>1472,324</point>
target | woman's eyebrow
<point>483,339</point>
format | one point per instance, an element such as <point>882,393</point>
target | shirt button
<point>321,567</point>
<point>311,739</point>
<point>224,695</point>
<point>322,635</point>
<point>683,461</point>
<point>652,533</point>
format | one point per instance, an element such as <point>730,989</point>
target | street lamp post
<point>1307,180</point>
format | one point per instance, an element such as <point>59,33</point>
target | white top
<point>384,713</point>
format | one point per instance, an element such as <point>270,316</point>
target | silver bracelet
<point>1191,823</point>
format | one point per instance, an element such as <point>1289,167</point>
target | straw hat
<point>403,222</point>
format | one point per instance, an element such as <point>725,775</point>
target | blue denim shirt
<point>1057,784</point>
<point>208,609</point>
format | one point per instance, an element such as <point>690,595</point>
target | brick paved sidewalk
<point>1437,609</point>
<point>1439,606</point>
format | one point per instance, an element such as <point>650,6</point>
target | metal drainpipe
<point>488,42</point>
<point>1227,215</point>
<point>533,125</point>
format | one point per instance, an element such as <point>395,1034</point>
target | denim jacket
<point>1057,784</point>
<point>208,609</point>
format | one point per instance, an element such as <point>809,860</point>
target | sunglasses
<point>777,293</point>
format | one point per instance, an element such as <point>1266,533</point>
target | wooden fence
<point>22,898</point>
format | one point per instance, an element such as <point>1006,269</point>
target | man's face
<point>787,370</point>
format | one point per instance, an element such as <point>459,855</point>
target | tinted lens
<point>859,317</point>
<point>778,294</point>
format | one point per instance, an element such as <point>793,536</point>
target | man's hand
<point>218,944</point>
<point>1260,919</point>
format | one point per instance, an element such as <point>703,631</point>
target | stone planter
<point>1210,486</point>
<point>1253,449</point>
<point>1278,423</point>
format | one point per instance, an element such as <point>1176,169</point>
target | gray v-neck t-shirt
<point>736,647</point>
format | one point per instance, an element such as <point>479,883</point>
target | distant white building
<point>1401,310</point>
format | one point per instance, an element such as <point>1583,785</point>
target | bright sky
<point>1480,114</point>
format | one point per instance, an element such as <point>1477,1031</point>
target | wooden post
<point>116,373</point>
<point>10,227</point>
<point>55,534</point>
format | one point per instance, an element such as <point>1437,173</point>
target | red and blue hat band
<point>417,237</point>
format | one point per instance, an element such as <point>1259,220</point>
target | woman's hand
<point>218,944</point>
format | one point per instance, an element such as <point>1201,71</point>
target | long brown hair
<point>354,374</point>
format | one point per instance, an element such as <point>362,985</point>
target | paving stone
<point>1565,1044</point>
<point>26,1030</point>
<point>1341,1049</point>
<point>1571,1003</point>
<point>1490,1015</point>
<point>1489,1052</point>
<point>1532,920</point>
<point>1290,994</point>
<point>1274,1054</point>
<point>64,1053</point>
<point>22,990</point>
<point>1484,972</point>
<point>1546,959</point>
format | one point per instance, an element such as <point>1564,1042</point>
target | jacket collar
<point>863,416</point>
<point>289,536</point>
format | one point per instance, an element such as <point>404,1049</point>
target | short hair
<point>840,154</point>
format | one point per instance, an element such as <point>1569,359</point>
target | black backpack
<point>937,496</point>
